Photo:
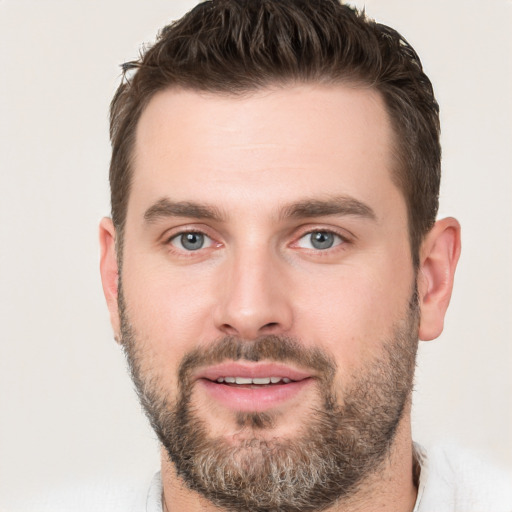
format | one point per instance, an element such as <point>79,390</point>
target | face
<point>267,283</point>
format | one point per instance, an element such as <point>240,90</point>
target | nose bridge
<point>253,297</point>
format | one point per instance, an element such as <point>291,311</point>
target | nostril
<point>229,329</point>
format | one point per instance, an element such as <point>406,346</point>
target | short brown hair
<point>236,46</point>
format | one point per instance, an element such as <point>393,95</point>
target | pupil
<point>192,241</point>
<point>322,240</point>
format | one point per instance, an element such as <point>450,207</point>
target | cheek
<point>168,307</point>
<point>169,311</point>
<point>354,312</point>
<point>166,328</point>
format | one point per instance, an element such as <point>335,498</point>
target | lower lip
<point>254,399</point>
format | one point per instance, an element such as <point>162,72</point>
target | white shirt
<point>451,480</point>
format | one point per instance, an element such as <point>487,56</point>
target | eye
<point>319,240</point>
<point>191,241</point>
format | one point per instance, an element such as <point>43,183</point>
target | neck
<point>389,489</point>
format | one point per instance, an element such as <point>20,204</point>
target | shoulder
<point>457,480</point>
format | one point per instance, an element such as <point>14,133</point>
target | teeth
<point>258,381</point>
<point>263,380</point>
<point>243,380</point>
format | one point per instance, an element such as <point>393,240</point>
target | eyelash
<point>343,240</point>
<point>185,252</point>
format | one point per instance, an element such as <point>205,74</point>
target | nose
<point>254,298</point>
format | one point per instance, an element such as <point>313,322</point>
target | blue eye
<point>191,241</point>
<point>319,240</point>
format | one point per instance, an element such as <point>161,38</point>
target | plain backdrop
<point>67,408</point>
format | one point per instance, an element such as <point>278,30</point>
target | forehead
<point>291,141</point>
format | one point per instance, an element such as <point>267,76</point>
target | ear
<point>439,255</point>
<point>109,271</point>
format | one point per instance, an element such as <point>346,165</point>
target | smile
<point>253,387</point>
<point>258,381</point>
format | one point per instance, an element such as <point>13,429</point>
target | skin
<point>251,159</point>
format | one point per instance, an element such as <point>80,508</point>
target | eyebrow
<point>340,205</point>
<point>308,208</point>
<point>165,208</point>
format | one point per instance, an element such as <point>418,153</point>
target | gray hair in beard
<point>338,446</point>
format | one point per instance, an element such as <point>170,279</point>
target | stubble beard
<point>336,450</point>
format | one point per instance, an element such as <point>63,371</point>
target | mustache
<point>271,348</point>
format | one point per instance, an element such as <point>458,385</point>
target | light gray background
<point>67,409</point>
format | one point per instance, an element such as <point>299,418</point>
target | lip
<point>252,371</point>
<point>248,398</point>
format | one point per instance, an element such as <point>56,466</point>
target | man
<point>274,256</point>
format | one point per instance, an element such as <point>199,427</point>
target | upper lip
<point>251,370</point>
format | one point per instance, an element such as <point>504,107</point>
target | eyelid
<point>344,236</point>
<point>177,231</point>
<point>183,231</point>
<point>337,240</point>
<point>177,237</point>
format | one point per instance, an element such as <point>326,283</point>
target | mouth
<point>253,387</point>
<point>253,383</point>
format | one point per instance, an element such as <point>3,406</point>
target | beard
<point>338,447</point>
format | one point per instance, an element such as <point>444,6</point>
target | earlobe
<point>439,255</point>
<point>109,271</point>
